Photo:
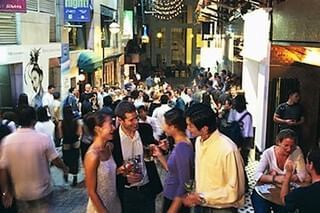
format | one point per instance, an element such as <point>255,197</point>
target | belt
<point>135,188</point>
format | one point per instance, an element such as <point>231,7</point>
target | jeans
<point>261,205</point>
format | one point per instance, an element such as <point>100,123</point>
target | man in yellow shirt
<point>219,174</point>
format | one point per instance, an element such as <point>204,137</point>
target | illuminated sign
<point>77,10</point>
<point>13,6</point>
<point>127,24</point>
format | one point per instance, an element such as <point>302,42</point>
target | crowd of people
<point>121,135</point>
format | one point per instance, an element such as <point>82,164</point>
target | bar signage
<point>13,6</point>
<point>77,10</point>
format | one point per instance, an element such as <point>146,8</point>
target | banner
<point>77,10</point>
<point>13,6</point>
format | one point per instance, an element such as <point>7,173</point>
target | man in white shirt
<point>158,113</point>
<point>219,175</point>
<point>47,100</point>
<point>144,118</point>
<point>139,186</point>
<point>25,158</point>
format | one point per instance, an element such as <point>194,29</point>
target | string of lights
<point>167,9</point>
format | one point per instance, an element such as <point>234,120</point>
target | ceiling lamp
<point>167,9</point>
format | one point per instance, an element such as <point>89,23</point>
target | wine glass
<point>148,153</point>
<point>190,186</point>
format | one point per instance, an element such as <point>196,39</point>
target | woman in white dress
<point>100,168</point>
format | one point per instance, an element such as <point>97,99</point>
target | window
<point>108,15</point>
<point>47,6</point>
<point>32,5</point>
<point>78,37</point>
<point>178,45</point>
<point>44,6</point>
<point>53,37</point>
<point>5,86</point>
<point>8,32</point>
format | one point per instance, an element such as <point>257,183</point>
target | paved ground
<point>74,199</point>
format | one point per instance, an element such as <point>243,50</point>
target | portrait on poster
<point>33,79</point>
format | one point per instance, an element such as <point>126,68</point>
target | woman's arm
<point>91,164</point>
<point>263,165</point>
<point>158,154</point>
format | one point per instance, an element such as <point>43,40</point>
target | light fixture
<point>159,35</point>
<point>167,9</point>
<point>114,27</point>
<point>82,77</point>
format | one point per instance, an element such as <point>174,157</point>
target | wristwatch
<point>202,198</point>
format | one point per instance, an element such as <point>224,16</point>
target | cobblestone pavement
<point>74,199</point>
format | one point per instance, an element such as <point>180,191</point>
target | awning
<point>88,61</point>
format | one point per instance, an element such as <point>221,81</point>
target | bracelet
<point>274,179</point>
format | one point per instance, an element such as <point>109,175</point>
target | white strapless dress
<point>106,187</point>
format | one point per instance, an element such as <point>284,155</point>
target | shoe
<point>75,180</point>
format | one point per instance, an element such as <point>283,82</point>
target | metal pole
<point>103,44</point>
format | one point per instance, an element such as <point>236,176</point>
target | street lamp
<point>159,37</point>
<point>103,41</point>
<point>114,28</point>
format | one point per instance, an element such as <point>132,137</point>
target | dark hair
<point>56,95</point>
<point>239,103</point>
<point>142,107</point>
<point>146,97</point>
<point>206,99</point>
<point>69,122</point>
<point>67,113</point>
<point>10,116</point>
<point>27,116</point>
<point>42,114</point>
<point>164,99</point>
<point>51,86</point>
<point>93,119</point>
<point>286,133</point>
<point>71,89</point>
<point>107,101</point>
<point>168,93</point>
<point>202,115</point>
<point>23,100</point>
<point>292,91</point>
<point>124,107</point>
<point>176,118</point>
<point>314,157</point>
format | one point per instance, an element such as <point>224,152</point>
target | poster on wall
<point>77,11</point>
<point>33,78</point>
<point>13,6</point>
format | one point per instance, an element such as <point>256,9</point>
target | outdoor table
<point>271,192</point>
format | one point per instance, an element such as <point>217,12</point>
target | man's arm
<point>6,190</point>
<point>59,163</point>
<point>286,182</point>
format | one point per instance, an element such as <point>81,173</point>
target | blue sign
<point>77,10</point>
<point>65,60</point>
